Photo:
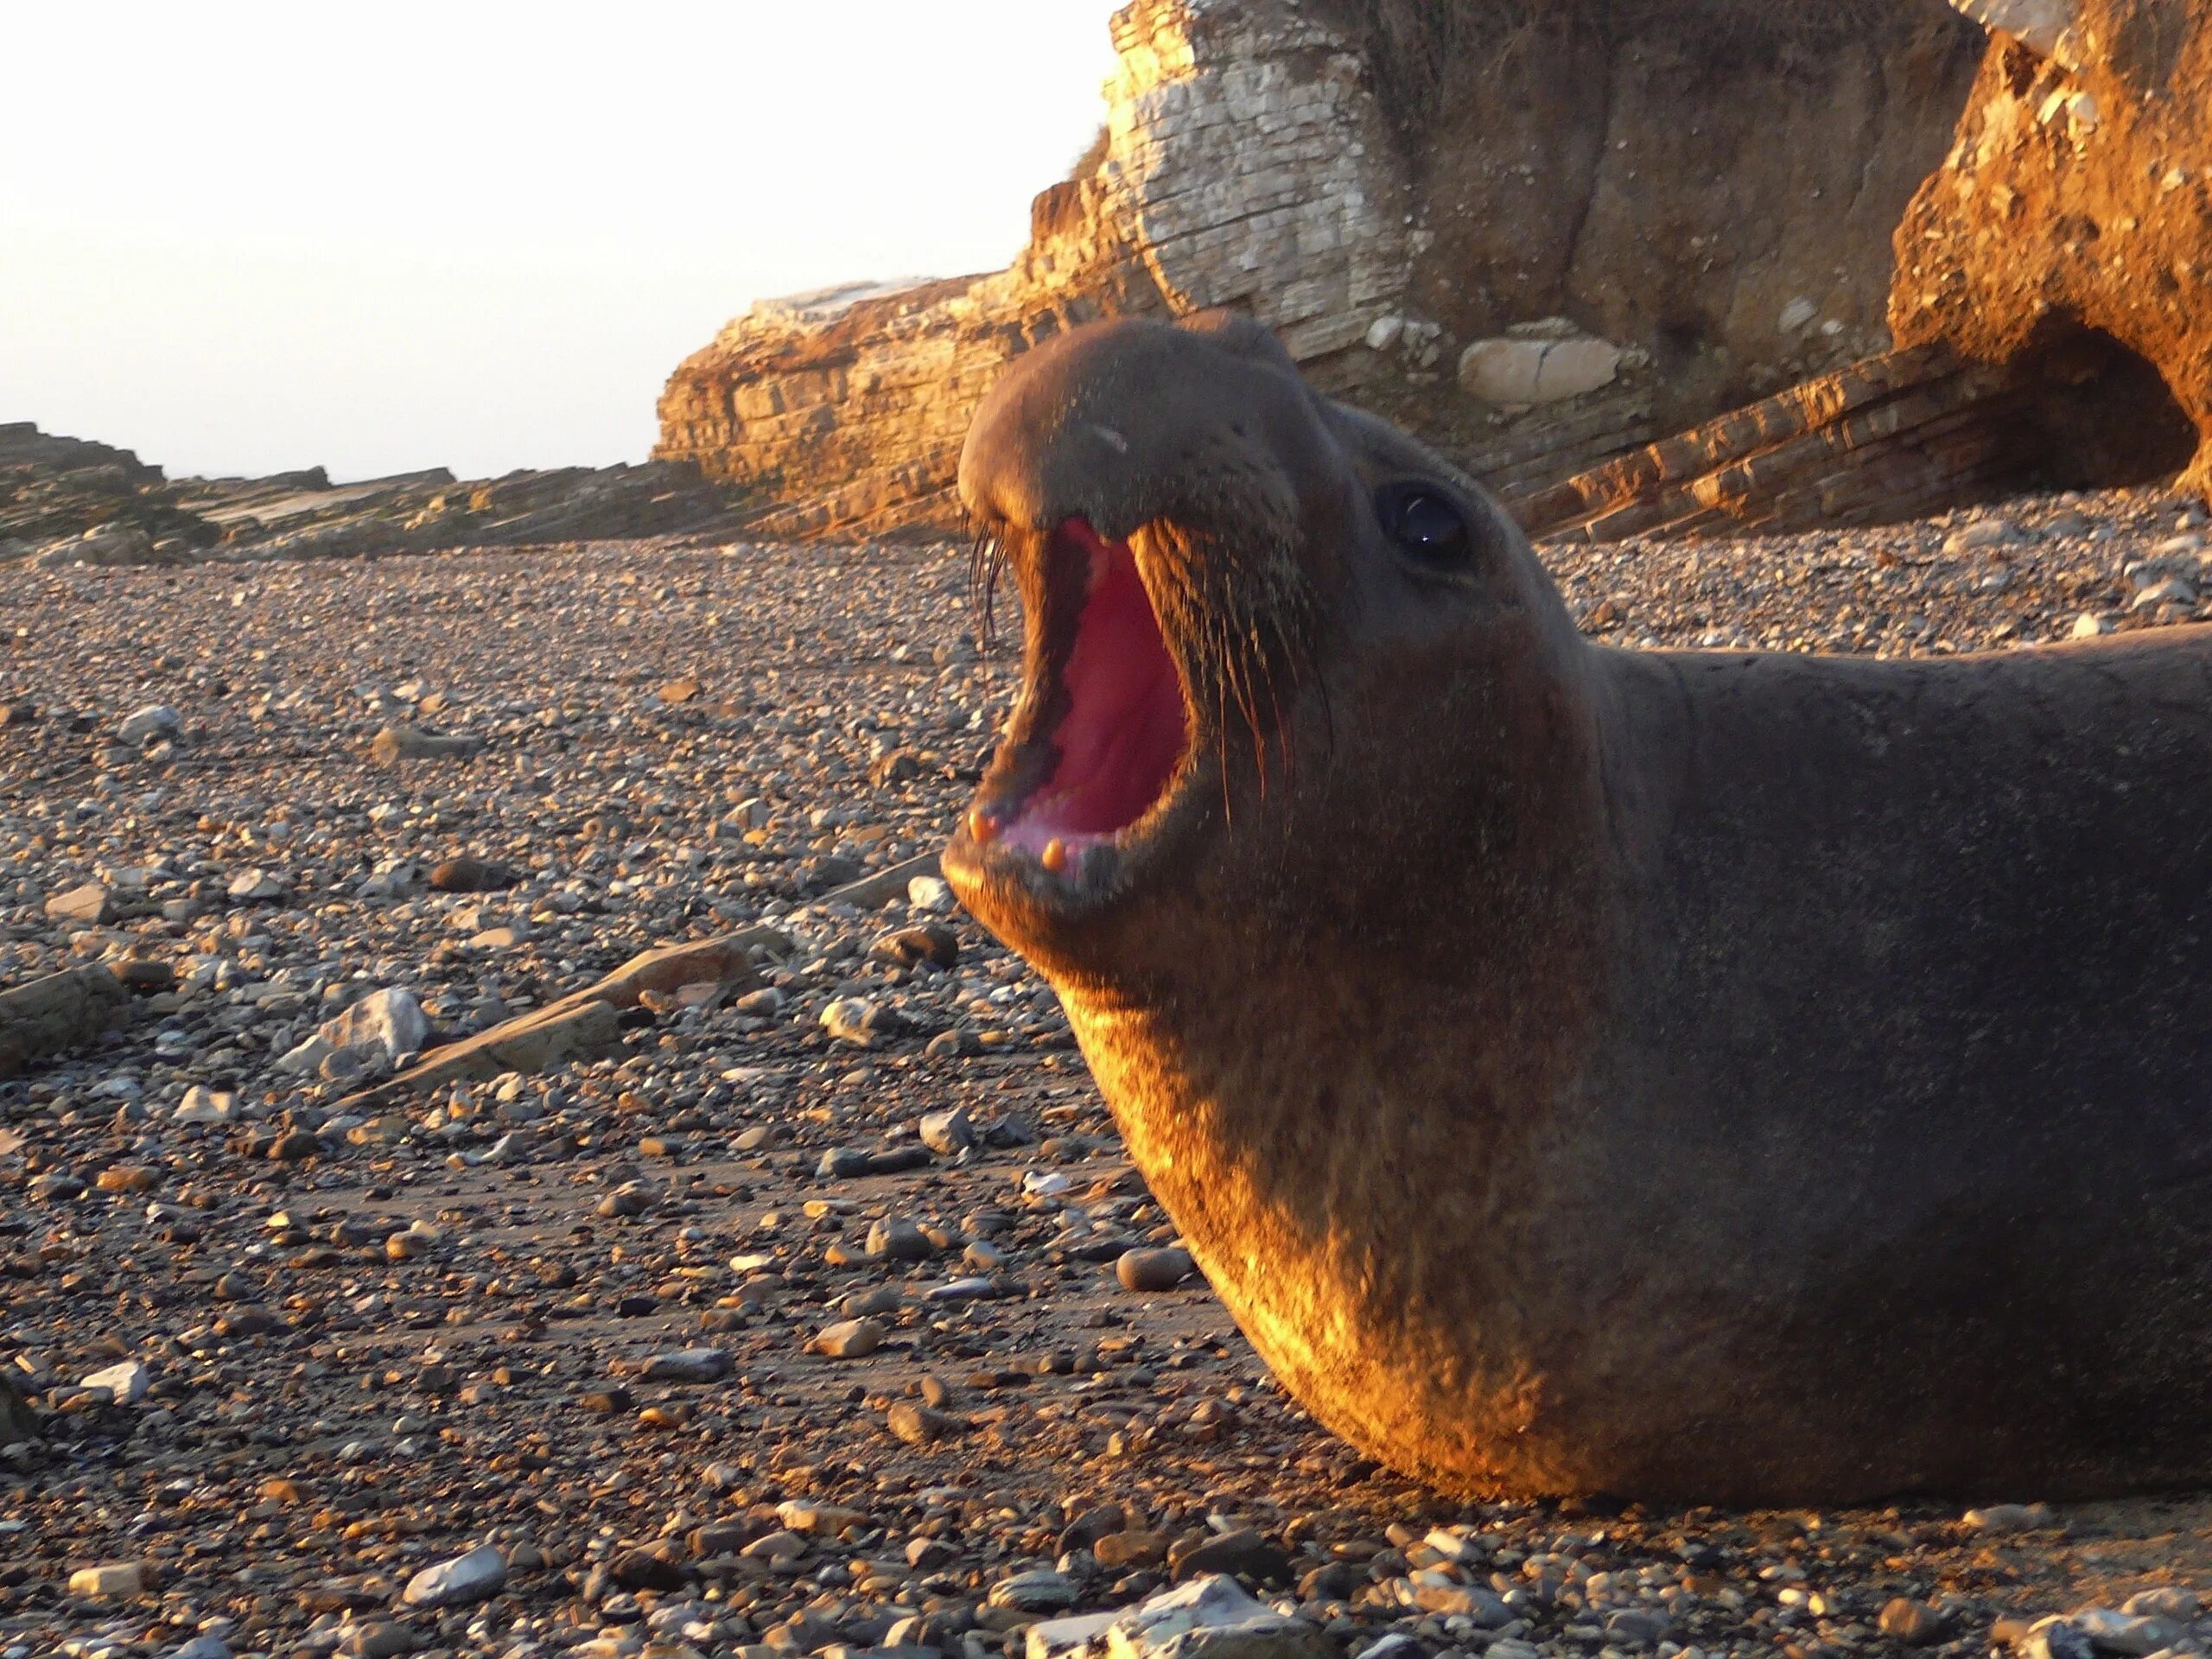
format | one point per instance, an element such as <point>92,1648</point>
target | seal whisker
<point>987,564</point>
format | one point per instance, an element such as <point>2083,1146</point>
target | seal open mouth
<point>1102,727</point>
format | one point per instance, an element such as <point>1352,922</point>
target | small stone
<point>1123,1550</point>
<point>2055,1638</point>
<point>647,1569</point>
<point>1245,1554</point>
<point>1050,1638</point>
<point>947,1133</point>
<point>859,1021</point>
<point>898,1240</point>
<point>255,887</point>
<point>1152,1269</point>
<point>2088,626</point>
<point>2008,1517</point>
<point>473,875</point>
<point>396,743</point>
<point>929,942</point>
<point>849,1339</point>
<point>116,1581</point>
<point>679,691</point>
<point>463,1579</point>
<point>1633,1627</point>
<point>202,1105</point>
<point>150,724</point>
<point>1039,1592</point>
<point>142,977</point>
<point>391,1021</point>
<point>1979,536</point>
<point>687,1365</point>
<point>2170,591</point>
<point>305,1058</point>
<point>1213,1618</point>
<point>127,1382</point>
<point>378,1639</point>
<point>1914,1622</point>
<point>916,1425</point>
<point>90,905</point>
<point>807,1515</point>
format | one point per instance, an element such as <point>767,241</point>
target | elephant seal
<point>1721,1077</point>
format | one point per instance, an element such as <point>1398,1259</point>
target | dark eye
<point>1424,523</point>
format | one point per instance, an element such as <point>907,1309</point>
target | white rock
<point>930,892</point>
<point>390,1019</point>
<point>1502,371</point>
<point>464,1579</point>
<point>1382,334</point>
<point>852,1019</point>
<point>127,1382</point>
<point>254,887</point>
<point>947,1132</point>
<point>2171,591</point>
<point>1212,1618</point>
<point>306,1057</point>
<point>113,1582</point>
<point>201,1647</point>
<point>2089,625</point>
<point>156,720</point>
<point>1797,314</point>
<point>1511,371</point>
<point>202,1105</point>
<point>1573,367</point>
<point>1049,1637</point>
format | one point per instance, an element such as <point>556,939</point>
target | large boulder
<point>2068,235</point>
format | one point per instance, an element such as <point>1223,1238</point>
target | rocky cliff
<point>2068,235</point>
<point>1541,233</point>
<point>1244,163</point>
<point>67,501</point>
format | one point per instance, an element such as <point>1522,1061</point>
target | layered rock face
<point>1543,234</point>
<point>2067,236</point>
<point>1538,235</point>
<point>1243,163</point>
<point>65,501</point>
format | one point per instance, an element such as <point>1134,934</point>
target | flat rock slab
<point>60,1012</point>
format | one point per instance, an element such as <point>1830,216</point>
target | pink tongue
<point>1122,735</point>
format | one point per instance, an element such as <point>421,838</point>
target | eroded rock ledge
<point>65,501</point>
<point>1704,197</point>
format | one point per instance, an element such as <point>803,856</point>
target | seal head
<point>1719,1077</point>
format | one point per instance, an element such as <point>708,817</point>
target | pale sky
<point>242,238</point>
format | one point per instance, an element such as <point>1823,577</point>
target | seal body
<point>1713,1077</point>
